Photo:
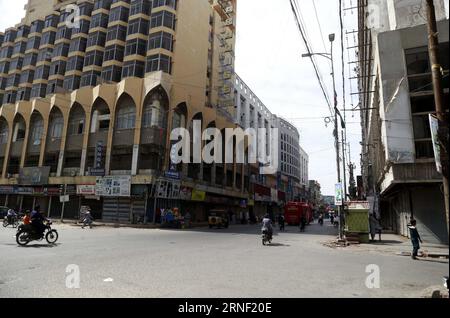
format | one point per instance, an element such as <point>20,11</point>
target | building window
<point>4,133</point>
<point>133,68</point>
<point>78,44</point>
<point>48,38</point>
<point>161,40</point>
<point>56,127</point>
<point>93,58</point>
<point>163,18</point>
<point>29,59</point>
<point>159,62</point>
<point>140,6</point>
<point>99,20</point>
<point>126,117</point>
<point>112,73</point>
<point>138,26</point>
<point>33,43</point>
<point>61,49</point>
<point>119,14</point>
<point>36,131</point>
<point>75,63</point>
<point>168,3</point>
<point>96,38</point>
<point>421,95</point>
<point>90,78</point>
<point>135,46</point>
<point>76,124</point>
<point>117,32</point>
<point>114,52</point>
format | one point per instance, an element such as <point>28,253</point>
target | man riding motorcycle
<point>267,226</point>
<point>11,215</point>
<point>37,221</point>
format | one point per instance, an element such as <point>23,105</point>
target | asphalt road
<point>204,263</point>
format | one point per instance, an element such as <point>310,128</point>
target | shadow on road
<point>277,244</point>
<point>255,229</point>
<point>40,245</point>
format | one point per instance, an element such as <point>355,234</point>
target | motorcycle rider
<point>267,225</point>
<point>87,218</point>
<point>37,221</point>
<point>321,219</point>
<point>11,215</point>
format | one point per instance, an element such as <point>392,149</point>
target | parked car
<point>3,211</point>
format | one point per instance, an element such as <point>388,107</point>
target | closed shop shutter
<point>116,209</point>
<point>139,207</point>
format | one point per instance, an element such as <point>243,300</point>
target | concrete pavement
<point>124,262</point>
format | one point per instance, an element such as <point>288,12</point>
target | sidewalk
<point>399,245</point>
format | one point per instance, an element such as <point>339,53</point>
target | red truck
<point>293,211</point>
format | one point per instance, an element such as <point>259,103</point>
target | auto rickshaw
<point>218,218</point>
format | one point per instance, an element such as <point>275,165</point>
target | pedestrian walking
<point>415,238</point>
<point>374,226</point>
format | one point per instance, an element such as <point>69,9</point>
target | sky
<point>268,59</point>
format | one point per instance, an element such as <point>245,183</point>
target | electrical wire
<point>294,8</point>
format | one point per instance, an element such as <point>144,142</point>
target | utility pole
<point>344,164</point>
<point>433,47</point>
<point>336,137</point>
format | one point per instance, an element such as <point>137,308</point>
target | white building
<point>293,160</point>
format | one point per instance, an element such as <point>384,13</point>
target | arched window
<point>153,112</point>
<point>56,127</point>
<point>76,121</point>
<point>3,132</point>
<point>37,128</point>
<point>126,117</point>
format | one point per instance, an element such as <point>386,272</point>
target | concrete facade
<point>396,98</point>
<point>130,115</point>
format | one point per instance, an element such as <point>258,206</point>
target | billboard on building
<point>34,175</point>
<point>113,186</point>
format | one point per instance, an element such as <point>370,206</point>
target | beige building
<point>94,104</point>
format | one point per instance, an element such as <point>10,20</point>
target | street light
<point>329,56</point>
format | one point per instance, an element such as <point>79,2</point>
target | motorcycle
<point>266,237</point>
<point>14,222</point>
<point>26,234</point>
<point>87,221</point>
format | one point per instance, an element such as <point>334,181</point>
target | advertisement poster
<point>434,126</point>
<point>113,186</point>
<point>338,200</point>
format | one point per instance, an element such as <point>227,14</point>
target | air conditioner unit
<point>229,9</point>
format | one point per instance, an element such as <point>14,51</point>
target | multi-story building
<point>289,158</point>
<point>292,176</point>
<point>86,110</point>
<point>396,99</point>
<point>315,194</point>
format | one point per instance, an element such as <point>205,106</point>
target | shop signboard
<point>185,193</point>
<point>34,175</point>
<point>86,189</point>
<point>113,186</point>
<point>198,195</point>
<point>6,190</point>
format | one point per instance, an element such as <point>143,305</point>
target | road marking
<point>108,280</point>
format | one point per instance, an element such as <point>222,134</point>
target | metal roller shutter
<point>116,209</point>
